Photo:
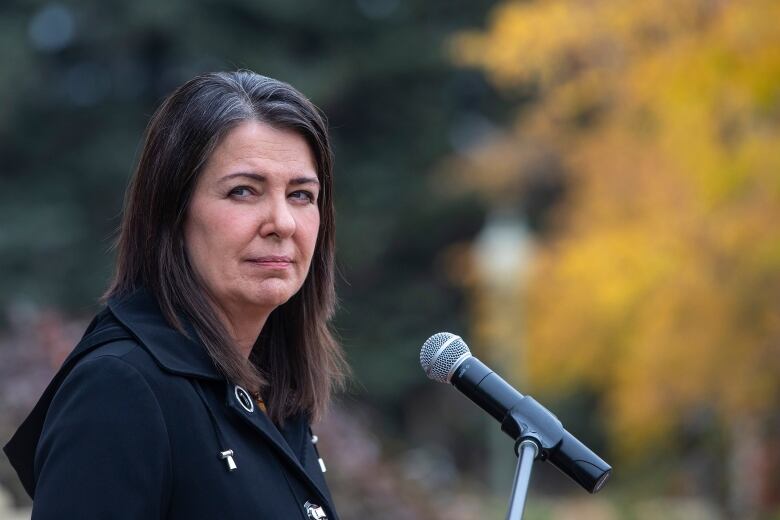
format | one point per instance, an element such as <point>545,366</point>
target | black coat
<point>138,424</point>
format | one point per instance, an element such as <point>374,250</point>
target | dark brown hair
<point>296,362</point>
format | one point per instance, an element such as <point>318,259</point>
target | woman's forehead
<point>258,148</point>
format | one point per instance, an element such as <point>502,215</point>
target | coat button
<point>243,398</point>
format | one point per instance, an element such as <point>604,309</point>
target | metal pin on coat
<point>227,456</point>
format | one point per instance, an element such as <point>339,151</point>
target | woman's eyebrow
<point>254,176</point>
<point>296,181</point>
<point>304,180</point>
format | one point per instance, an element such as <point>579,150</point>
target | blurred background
<point>587,191</point>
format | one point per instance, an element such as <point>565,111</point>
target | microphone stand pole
<point>527,451</point>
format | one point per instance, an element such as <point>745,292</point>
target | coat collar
<point>141,315</point>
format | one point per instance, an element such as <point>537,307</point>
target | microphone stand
<point>527,451</point>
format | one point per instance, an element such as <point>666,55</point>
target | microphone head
<point>441,354</point>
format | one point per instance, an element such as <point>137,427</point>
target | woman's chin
<point>270,297</point>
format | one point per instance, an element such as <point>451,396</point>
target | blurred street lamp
<point>503,248</point>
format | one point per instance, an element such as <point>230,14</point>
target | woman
<point>191,393</point>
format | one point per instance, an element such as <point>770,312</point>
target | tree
<point>657,280</point>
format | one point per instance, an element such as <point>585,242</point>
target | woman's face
<point>252,223</point>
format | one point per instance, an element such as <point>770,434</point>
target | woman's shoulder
<point>105,410</point>
<point>108,345</point>
<point>104,380</point>
<point>114,361</point>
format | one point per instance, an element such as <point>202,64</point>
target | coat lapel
<point>260,422</point>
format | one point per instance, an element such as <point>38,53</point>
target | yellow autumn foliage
<point>659,287</point>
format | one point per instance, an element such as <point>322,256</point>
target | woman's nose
<point>278,219</point>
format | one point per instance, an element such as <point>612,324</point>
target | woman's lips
<point>273,262</point>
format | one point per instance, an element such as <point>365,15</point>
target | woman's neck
<point>244,328</point>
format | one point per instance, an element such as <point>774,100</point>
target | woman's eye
<point>240,191</point>
<point>304,195</point>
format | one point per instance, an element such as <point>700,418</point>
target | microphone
<point>446,358</point>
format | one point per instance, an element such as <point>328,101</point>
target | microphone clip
<point>528,419</point>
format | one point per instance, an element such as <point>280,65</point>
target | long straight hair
<point>296,362</point>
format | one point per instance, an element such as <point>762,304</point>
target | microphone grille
<point>440,354</point>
